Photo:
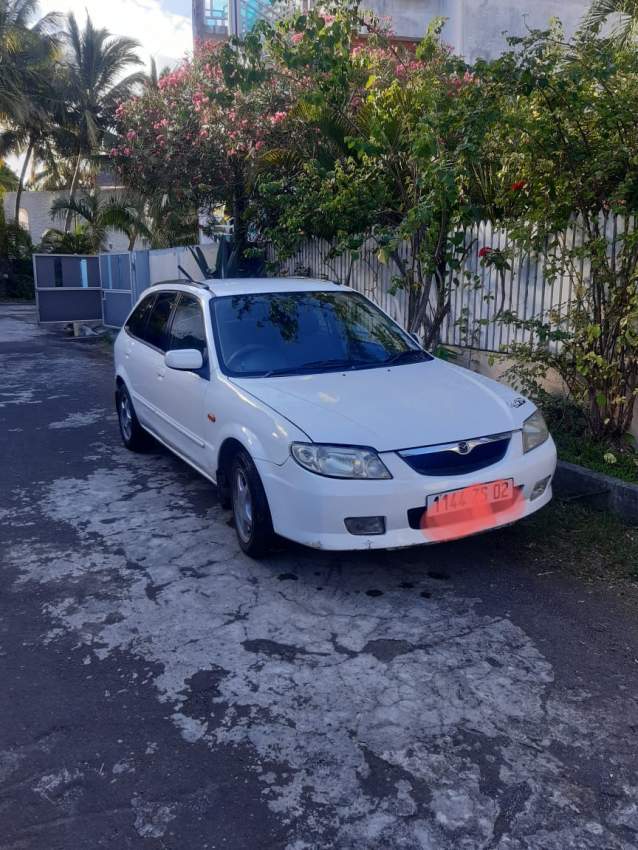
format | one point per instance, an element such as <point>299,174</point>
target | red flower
<point>485,251</point>
<point>520,184</point>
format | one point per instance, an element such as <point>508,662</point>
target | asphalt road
<point>160,690</point>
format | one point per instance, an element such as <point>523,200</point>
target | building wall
<point>475,27</point>
<point>37,206</point>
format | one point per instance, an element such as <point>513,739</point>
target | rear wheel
<point>134,436</point>
<point>251,513</point>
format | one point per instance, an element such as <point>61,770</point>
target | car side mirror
<point>186,359</point>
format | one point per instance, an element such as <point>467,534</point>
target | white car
<point>319,419</point>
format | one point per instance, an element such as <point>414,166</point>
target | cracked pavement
<point>161,690</point>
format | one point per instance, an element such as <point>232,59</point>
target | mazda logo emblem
<point>464,448</point>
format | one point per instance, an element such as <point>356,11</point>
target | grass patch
<point>567,536</point>
<point>569,430</point>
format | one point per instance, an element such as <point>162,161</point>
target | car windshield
<point>293,333</point>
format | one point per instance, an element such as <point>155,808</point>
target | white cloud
<point>165,35</point>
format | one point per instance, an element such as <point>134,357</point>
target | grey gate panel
<point>116,305</point>
<point>69,305</point>
<point>117,295</point>
<point>67,288</point>
<point>140,267</point>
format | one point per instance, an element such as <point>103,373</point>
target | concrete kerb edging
<point>598,490</point>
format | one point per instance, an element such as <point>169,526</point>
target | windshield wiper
<point>316,366</point>
<point>410,354</point>
<point>333,363</point>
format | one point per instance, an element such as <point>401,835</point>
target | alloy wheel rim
<point>242,506</point>
<point>126,417</point>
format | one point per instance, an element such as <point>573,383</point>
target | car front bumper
<point>311,509</point>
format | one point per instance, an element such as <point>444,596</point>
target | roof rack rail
<point>189,282</point>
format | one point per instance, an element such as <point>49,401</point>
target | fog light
<point>539,488</point>
<point>365,524</point>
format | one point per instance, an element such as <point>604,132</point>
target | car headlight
<point>534,431</point>
<point>339,461</point>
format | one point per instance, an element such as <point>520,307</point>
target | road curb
<point>598,490</point>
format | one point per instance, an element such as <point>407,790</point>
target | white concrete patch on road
<point>81,420</point>
<point>20,325</point>
<point>336,692</point>
<point>151,819</point>
<point>37,379</point>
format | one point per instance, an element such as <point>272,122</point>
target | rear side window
<point>156,329</point>
<point>136,324</point>
<point>187,327</point>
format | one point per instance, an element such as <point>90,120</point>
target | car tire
<point>134,437</point>
<point>251,514</point>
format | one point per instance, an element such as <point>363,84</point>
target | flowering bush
<point>568,141</point>
<point>322,126</point>
<point>196,136</point>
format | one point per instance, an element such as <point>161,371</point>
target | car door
<point>137,366</point>
<point>182,393</point>
<point>149,356</point>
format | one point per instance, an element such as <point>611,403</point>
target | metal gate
<point>104,288</point>
<point>67,288</point>
<point>117,288</point>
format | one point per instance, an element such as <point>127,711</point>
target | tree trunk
<point>74,183</point>
<point>23,173</point>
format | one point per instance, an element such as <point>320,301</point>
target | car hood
<point>394,408</point>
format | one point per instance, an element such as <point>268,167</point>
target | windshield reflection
<point>290,333</point>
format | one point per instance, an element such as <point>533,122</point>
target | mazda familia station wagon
<point>321,420</point>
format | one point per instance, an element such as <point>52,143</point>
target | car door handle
<point>161,373</point>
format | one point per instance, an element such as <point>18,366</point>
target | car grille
<point>458,458</point>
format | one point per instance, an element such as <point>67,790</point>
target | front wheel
<point>251,513</point>
<point>134,436</point>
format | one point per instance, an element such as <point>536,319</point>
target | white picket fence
<point>476,299</point>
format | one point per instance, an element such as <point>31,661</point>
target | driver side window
<point>187,328</point>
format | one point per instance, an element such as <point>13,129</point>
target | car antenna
<point>185,273</point>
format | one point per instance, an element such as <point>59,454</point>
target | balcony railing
<point>222,18</point>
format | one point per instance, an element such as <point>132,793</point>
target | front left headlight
<point>535,431</point>
<point>339,461</point>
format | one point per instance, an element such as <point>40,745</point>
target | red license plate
<point>468,498</point>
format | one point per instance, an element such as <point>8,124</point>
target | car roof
<point>251,286</point>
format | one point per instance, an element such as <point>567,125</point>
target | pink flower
<point>131,135</point>
<point>278,117</point>
<point>297,37</point>
<point>259,145</point>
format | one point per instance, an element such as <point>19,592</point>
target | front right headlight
<point>535,431</point>
<point>339,461</point>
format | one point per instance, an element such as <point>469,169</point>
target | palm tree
<point>28,53</point>
<point>153,77</point>
<point>170,223</point>
<point>624,15</point>
<point>27,48</point>
<point>54,174</point>
<point>96,62</point>
<point>97,214</point>
<point>8,180</point>
<point>31,138</point>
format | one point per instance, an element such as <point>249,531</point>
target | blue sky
<point>163,27</point>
